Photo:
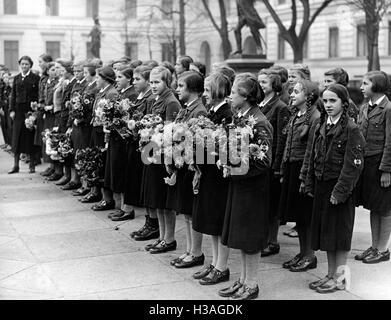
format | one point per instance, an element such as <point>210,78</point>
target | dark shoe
<point>91,198</point>
<point>47,173</point>
<point>179,259</point>
<point>330,287</point>
<point>246,293</point>
<point>292,262</point>
<point>305,265</point>
<point>195,261</point>
<point>55,177</point>
<point>103,206</point>
<point>377,257</point>
<point>153,244</point>
<point>318,283</point>
<point>71,186</point>
<point>14,170</point>
<point>363,255</point>
<point>116,214</point>
<point>141,230</point>
<point>148,233</point>
<point>230,291</point>
<point>271,250</point>
<point>63,181</point>
<point>215,277</point>
<point>32,170</point>
<point>81,192</point>
<point>125,216</point>
<point>163,247</point>
<point>203,272</point>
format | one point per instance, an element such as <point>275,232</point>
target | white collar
<point>104,89</point>
<point>190,103</point>
<point>81,81</point>
<point>125,89</point>
<point>329,121</point>
<point>378,101</point>
<point>265,102</point>
<point>301,113</point>
<point>142,94</point>
<point>240,114</point>
<point>216,108</point>
<point>91,83</point>
<point>27,74</point>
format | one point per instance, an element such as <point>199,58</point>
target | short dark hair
<point>283,72</point>
<point>128,73</point>
<point>185,62</point>
<point>28,59</point>
<point>339,75</point>
<point>136,63</point>
<point>227,71</point>
<point>220,86</point>
<point>274,77</point>
<point>201,67</point>
<point>194,81</point>
<point>144,71</point>
<point>151,63</point>
<point>168,65</point>
<point>380,81</point>
<point>249,87</point>
<point>46,57</point>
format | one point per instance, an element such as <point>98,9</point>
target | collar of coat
<point>375,111</point>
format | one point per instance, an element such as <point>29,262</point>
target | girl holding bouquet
<point>153,188</point>
<point>246,216</point>
<point>180,196</point>
<point>116,152</point>
<point>208,216</point>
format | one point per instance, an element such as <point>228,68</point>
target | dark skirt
<point>97,137</point>
<point>81,137</point>
<point>369,191</point>
<point>246,223</point>
<point>332,225</point>
<point>40,127</point>
<point>180,196</point>
<point>210,203</point>
<point>133,175</point>
<point>115,164</point>
<point>294,207</point>
<point>153,188</point>
<point>275,194</point>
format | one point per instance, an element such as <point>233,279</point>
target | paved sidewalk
<point>54,247</point>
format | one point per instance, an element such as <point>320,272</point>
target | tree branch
<point>211,16</point>
<point>275,16</point>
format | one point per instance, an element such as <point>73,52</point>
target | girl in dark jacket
<point>375,192</point>
<point>278,114</point>
<point>335,164</point>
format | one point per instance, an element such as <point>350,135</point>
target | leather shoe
<point>195,261</point>
<point>32,170</point>
<point>80,192</point>
<point>292,262</point>
<point>141,230</point>
<point>47,173</point>
<point>377,257</point>
<point>331,286</point>
<point>148,233</point>
<point>215,277</point>
<point>246,293</point>
<point>363,255</point>
<point>318,283</point>
<point>271,250</point>
<point>305,265</point>
<point>103,206</point>
<point>152,245</point>
<point>163,247</point>
<point>177,260</point>
<point>91,198</point>
<point>125,216</point>
<point>116,214</point>
<point>63,181</point>
<point>230,291</point>
<point>203,272</point>
<point>55,177</point>
<point>14,170</point>
<point>71,186</point>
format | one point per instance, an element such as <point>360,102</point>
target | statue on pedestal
<point>248,16</point>
<point>95,35</point>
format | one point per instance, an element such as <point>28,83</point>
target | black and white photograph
<point>209,151</point>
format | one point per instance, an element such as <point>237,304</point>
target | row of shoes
<point>373,256</point>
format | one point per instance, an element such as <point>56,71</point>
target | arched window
<point>205,55</point>
<point>249,46</point>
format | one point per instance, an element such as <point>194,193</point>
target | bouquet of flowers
<point>99,111</point>
<point>77,109</point>
<point>147,127</point>
<point>203,131</point>
<point>30,121</point>
<point>89,164</point>
<point>35,106</point>
<point>116,116</point>
<point>58,145</point>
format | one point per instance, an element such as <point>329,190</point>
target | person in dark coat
<point>153,187</point>
<point>208,216</point>
<point>25,90</point>
<point>375,185</point>
<point>335,165</point>
<point>116,152</point>
<point>246,216</point>
<point>180,196</point>
<point>5,96</point>
<point>278,114</point>
<point>48,117</point>
<point>295,206</point>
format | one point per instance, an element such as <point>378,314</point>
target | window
<point>333,42</point>
<point>53,49</point>
<point>281,48</point>
<point>362,44</point>
<point>92,8</point>
<point>167,7</point>
<point>132,50</point>
<point>10,7</point>
<point>11,54</point>
<point>52,7</point>
<point>131,8</point>
<point>167,54</point>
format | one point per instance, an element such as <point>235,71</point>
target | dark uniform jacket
<point>193,110</point>
<point>338,153</point>
<point>376,128</point>
<point>166,106</point>
<point>65,105</point>
<point>223,114</point>
<point>110,93</point>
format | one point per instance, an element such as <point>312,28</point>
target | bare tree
<point>374,13</point>
<point>297,40</point>
<point>222,29</point>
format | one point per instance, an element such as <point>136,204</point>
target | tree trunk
<point>298,52</point>
<point>182,28</point>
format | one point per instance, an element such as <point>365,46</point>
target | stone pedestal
<point>248,63</point>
